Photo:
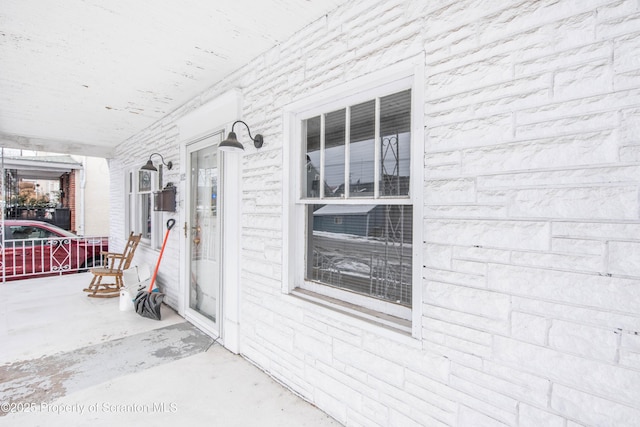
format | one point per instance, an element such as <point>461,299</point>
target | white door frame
<point>209,119</point>
<point>212,328</point>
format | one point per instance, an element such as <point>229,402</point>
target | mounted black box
<point>165,200</point>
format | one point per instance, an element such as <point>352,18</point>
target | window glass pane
<point>362,150</point>
<point>395,133</point>
<point>365,249</point>
<point>20,232</point>
<point>132,219</point>
<point>311,172</point>
<point>130,206</point>
<point>334,138</point>
<point>144,181</point>
<point>145,215</point>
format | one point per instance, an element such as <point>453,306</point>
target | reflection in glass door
<point>204,222</point>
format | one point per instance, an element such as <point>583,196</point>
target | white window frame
<point>134,209</point>
<point>129,202</point>
<point>406,75</point>
<point>140,226</point>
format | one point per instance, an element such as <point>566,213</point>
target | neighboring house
<point>356,220</point>
<point>513,296</point>
<point>69,191</point>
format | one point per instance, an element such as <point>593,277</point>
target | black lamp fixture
<point>231,144</point>
<point>149,166</point>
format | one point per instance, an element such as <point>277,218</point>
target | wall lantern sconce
<point>232,145</point>
<point>149,166</point>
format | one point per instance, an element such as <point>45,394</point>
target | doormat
<point>50,377</point>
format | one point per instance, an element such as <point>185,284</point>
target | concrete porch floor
<point>66,359</point>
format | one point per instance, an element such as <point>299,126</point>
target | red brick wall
<point>68,185</point>
<point>72,199</point>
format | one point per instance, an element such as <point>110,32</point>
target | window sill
<point>374,318</point>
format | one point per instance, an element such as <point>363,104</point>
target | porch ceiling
<point>83,78</point>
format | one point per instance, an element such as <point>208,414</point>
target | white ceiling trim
<point>214,115</point>
<point>54,146</point>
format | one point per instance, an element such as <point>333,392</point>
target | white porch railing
<point>25,258</point>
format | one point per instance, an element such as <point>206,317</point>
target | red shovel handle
<point>170,224</point>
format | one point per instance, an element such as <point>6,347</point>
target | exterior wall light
<point>149,166</point>
<point>232,145</point>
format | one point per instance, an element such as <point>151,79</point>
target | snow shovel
<point>148,303</point>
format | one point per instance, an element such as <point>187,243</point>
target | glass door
<point>203,234</point>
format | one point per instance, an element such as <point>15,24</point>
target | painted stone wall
<point>96,209</point>
<point>531,231</point>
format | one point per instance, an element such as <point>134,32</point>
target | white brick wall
<point>131,156</point>
<point>531,235</point>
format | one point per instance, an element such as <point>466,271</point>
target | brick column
<point>72,199</point>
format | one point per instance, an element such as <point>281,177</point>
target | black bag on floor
<point>148,304</point>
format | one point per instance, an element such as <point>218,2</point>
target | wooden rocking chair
<point>115,264</point>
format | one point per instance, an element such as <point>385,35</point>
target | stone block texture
<point>530,310</point>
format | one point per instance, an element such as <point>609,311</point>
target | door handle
<point>186,228</point>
